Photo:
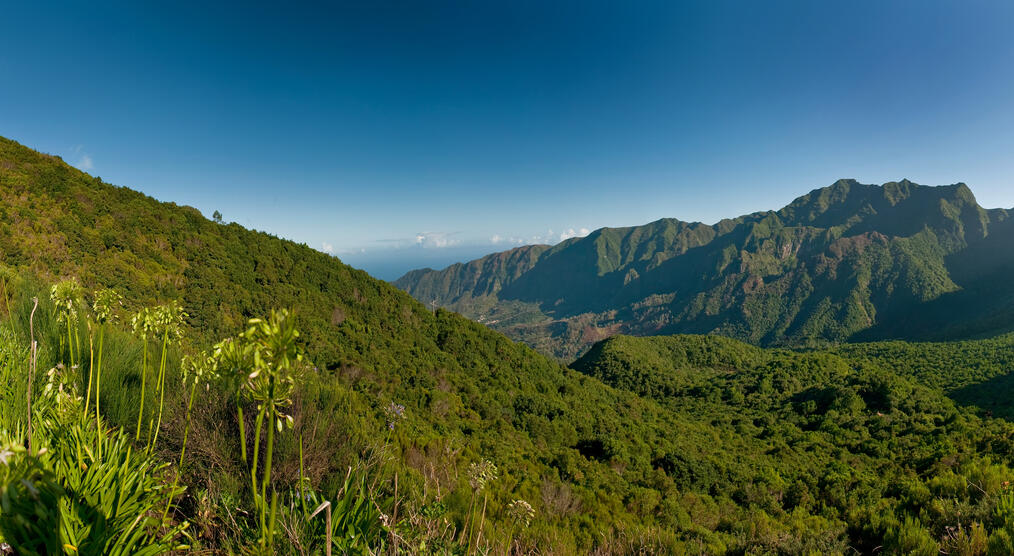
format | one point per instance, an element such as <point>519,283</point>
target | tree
<point>217,217</point>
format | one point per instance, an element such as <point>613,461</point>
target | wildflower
<point>481,473</point>
<point>65,297</point>
<point>394,412</point>
<point>105,304</point>
<point>143,322</point>
<point>275,352</point>
<point>521,512</point>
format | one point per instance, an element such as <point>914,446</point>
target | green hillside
<point>685,445</point>
<point>863,437</point>
<point>845,262</point>
<point>470,393</point>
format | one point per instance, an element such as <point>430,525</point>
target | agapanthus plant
<point>168,324</point>
<point>521,514</point>
<point>106,305</point>
<point>66,298</point>
<point>143,324</point>
<point>197,370</point>
<point>275,353</point>
<point>479,475</point>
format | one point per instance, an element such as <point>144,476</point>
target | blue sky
<point>404,134</point>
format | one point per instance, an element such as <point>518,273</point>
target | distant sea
<point>392,263</point>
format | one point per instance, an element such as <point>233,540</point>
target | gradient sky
<point>403,134</point>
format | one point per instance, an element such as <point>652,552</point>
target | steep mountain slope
<point>846,261</point>
<point>469,392</point>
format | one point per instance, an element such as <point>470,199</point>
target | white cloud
<point>327,248</point>
<point>429,240</point>
<point>84,160</point>
<point>497,239</point>
<point>572,233</point>
<point>549,237</point>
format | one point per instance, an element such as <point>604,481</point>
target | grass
<point>56,495</point>
<point>89,485</point>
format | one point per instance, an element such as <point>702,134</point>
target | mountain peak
<point>843,183</point>
<point>848,201</point>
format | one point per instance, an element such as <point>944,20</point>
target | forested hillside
<point>854,436</point>
<point>470,394</point>
<point>429,433</point>
<point>846,262</point>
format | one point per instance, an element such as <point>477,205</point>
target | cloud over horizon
<point>453,241</point>
<point>389,258</point>
<point>84,159</point>
<point>572,233</point>
<point>436,240</point>
<point>549,237</point>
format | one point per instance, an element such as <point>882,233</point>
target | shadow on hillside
<point>983,306</point>
<point>994,397</point>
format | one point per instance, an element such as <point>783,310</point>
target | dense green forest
<point>842,263</point>
<point>861,436</point>
<point>430,433</point>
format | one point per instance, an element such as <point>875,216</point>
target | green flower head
<point>481,473</point>
<point>168,320</point>
<point>143,322</point>
<point>66,297</point>
<point>198,369</point>
<point>105,305</point>
<point>521,512</point>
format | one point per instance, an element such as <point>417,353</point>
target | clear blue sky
<point>397,134</point>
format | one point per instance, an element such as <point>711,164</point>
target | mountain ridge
<point>832,263</point>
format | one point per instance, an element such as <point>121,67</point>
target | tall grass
<point>58,496</point>
<point>15,387</point>
<point>104,489</point>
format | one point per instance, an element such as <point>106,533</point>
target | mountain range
<point>842,263</point>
